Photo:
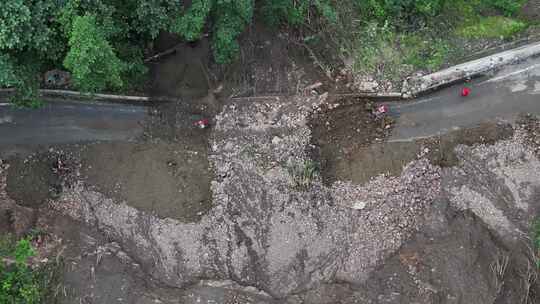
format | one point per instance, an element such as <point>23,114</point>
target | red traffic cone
<point>465,92</point>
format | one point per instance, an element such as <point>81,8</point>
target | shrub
<point>22,77</point>
<point>230,19</point>
<point>191,24</point>
<point>295,13</point>
<point>20,283</point>
<point>8,76</point>
<point>377,47</point>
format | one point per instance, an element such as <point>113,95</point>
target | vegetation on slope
<point>103,42</point>
<point>19,281</point>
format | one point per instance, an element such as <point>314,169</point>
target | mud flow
<point>350,142</point>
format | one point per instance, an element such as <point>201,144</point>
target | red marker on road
<point>465,92</point>
<point>383,109</point>
<point>202,123</point>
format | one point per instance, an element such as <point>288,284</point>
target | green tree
<point>230,19</point>
<point>91,58</point>
<point>153,16</point>
<point>8,76</point>
<point>191,23</point>
<point>29,26</point>
<point>15,17</point>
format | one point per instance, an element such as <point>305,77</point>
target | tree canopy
<point>102,42</point>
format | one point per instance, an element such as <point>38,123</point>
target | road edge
<point>415,86</point>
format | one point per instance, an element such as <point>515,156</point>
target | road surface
<point>502,95</point>
<point>68,122</point>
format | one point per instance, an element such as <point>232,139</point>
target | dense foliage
<point>91,58</point>
<point>102,42</point>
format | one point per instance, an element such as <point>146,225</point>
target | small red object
<point>382,109</point>
<point>202,123</point>
<point>465,92</point>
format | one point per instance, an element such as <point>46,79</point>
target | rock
<point>368,86</point>
<point>314,86</point>
<point>57,79</point>
<point>359,205</point>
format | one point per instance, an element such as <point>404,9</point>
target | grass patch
<point>410,36</point>
<point>304,174</point>
<point>381,50</point>
<point>492,27</point>
<point>424,53</point>
<point>376,50</point>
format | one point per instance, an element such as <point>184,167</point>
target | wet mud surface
<point>170,180</point>
<point>32,181</point>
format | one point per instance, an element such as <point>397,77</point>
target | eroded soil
<point>351,144</point>
<point>342,129</point>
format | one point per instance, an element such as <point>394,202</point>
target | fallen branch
<point>162,54</point>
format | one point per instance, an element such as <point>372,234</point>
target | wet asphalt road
<point>502,95</point>
<point>68,122</point>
